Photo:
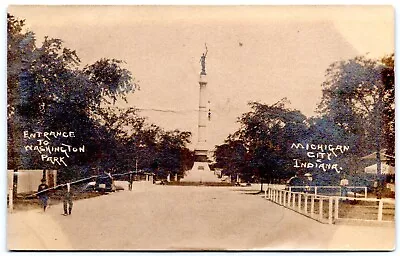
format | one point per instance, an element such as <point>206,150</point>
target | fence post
<point>365,192</point>
<point>321,202</point>
<point>305,203</point>
<point>336,208</point>
<point>10,200</point>
<point>312,206</point>
<point>284,197</point>
<point>277,196</point>
<point>289,198</point>
<point>290,189</point>
<point>330,215</point>
<point>380,210</point>
<point>272,195</point>
<point>315,190</point>
<point>294,200</point>
<point>299,205</point>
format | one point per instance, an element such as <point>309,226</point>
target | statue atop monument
<point>203,62</point>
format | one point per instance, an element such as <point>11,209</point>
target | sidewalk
<point>35,230</point>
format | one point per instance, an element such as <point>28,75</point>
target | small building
<point>27,181</point>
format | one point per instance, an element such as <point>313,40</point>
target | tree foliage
<point>357,109</point>
<point>143,146</point>
<point>261,148</point>
<point>232,157</point>
<point>48,91</point>
<point>358,96</point>
<point>388,79</point>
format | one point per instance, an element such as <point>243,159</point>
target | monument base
<point>200,172</point>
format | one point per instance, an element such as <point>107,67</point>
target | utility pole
<point>136,170</point>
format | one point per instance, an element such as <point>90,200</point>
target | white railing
<point>312,205</point>
<point>314,189</point>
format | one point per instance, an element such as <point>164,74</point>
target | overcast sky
<point>254,53</point>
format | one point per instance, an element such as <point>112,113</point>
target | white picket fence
<point>312,205</point>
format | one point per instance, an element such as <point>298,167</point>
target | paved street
<point>185,218</point>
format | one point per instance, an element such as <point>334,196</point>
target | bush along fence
<point>333,209</point>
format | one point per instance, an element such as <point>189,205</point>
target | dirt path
<point>185,218</point>
<point>35,230</point>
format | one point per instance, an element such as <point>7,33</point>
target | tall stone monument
<point>200,171</point>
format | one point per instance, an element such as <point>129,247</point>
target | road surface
<point>155,217</point>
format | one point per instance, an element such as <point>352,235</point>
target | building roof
<point>383,156</point>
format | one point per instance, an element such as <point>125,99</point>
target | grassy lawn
<point>351,209</point>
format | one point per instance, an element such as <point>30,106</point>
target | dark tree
<point>48,92</point>
<point>388,79</point>
<point>358,96</point>
<point>171,150</point>
<point>232,158</point>
<point>267,133</point>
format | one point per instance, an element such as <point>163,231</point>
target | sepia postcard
<point>200,128</point>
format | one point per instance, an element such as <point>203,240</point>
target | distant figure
<point>113,187</point>
<point>67,200</point>
<point>43,196</point>
<point>130,181</point>
<point>378,189</point>
<point>344,182</point>
<point>308,182</point>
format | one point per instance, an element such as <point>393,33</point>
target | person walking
<point>43,194</point>
<point>130,181</point>
<point>67,199</point>
<point>344,182</point>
